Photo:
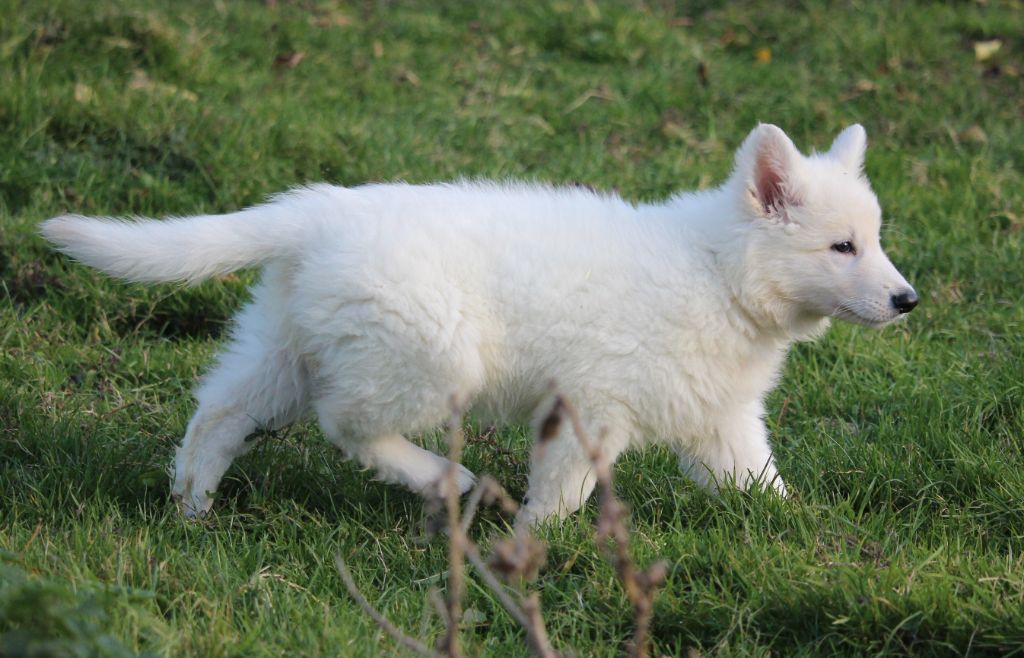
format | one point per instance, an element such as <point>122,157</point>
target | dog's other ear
<point>848,147</point>
<point>768,166</point>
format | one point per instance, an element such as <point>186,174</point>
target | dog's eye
<point>845,247</point>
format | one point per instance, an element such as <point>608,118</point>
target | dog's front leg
<point>736,454</point>
<point>211,443</point>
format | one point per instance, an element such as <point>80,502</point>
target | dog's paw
<point>192,505</point>
<point>531,516</point>
<point>196,509</point>
<point>464,481</point>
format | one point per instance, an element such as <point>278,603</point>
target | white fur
<point>664,322</point>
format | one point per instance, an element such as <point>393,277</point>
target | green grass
<point>904,447</point>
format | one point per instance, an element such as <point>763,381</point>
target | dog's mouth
<point>868,316</point>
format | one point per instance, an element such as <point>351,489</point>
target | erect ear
<point>848,147</point>
<point>769,164</point>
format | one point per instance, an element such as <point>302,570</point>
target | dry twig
<point>641,586</point>
<point>457,538</point>
<point>382,621</point>
<point>521,556</point>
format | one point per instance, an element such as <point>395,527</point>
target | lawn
<point>904,448</point>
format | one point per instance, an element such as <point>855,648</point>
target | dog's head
<point>814,249</point>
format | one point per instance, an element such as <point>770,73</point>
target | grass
<point>904,447</point>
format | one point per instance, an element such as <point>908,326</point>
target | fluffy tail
<point>187,249</point>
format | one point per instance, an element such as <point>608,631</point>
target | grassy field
<point>903,447</point>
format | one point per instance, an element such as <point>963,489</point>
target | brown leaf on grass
<point>142,82</point>
<point>864,85</point>
<point>289,60</point>
<point>118,42</point>
<point>83,93</point>
<point>406,75</point>
<point>974,134</point>
<point>985,50</point>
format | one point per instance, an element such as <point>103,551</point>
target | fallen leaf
<point>408,76</point>
<point>118,42</point>
<point>289,60</point>
<point>975,134</point>
<point>984,50</point>
<point>763,55</point>
<point>142,82</point>
<point>83,93</point>
<point>864,85</point>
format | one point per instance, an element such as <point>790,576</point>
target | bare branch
<point>409,642</point>
<point>522,556</point>
<point>527,613</point>
<point>640,586</point>
<point>536,633</point>
<point>492,582</point>
<point>457,539</point>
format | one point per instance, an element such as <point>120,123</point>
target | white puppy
<point>665,322</point>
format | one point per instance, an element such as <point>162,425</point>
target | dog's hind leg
<point>257,385</point>
<point>377,387</point>
<point>561,473</point>
<point>400,461</point>
<point>394,458</point>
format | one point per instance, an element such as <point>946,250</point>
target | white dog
<point>666,322</point>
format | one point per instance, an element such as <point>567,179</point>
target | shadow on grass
<point>56,468</point>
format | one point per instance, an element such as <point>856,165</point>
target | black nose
<point>905,301</point>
